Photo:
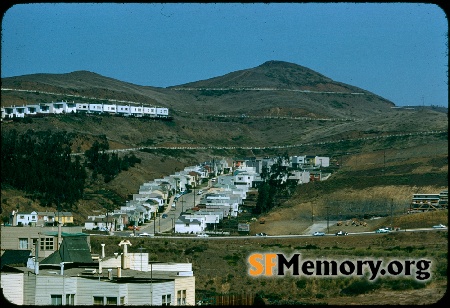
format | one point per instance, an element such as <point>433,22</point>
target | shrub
<point>359,287</point>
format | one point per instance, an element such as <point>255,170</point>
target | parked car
<point>317,233</point>
<point>202,235</point>
<point>144,234</point>
<point>382,230</point>
<point>164,216</point>
<point>439,226</point>
<point>200,192</point>
<point>261,234</point>
<point>133,228</point>
<point>341,233</point>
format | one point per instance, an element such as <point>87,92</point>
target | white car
<point>202,235</point>
<point>261,234</point>
<point>200,192</point>
<point>440,226</point>
<point>318,233</point>
<point>145,234</point>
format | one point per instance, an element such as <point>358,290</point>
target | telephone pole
<point>328,220</point>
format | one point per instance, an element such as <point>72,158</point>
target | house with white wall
<point>109,108</point>
<point>82,107</point>
<point>301,176</point>
<point>24,219</point>
<point>137,111</point>
<point>124,110</point>
<point>162,112</point>
<point>189,225</point>
<point>95,108</point>
<point>149,111</point>
<point>32,109</point>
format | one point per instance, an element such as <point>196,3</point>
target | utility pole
<point>328,220</point>
<point>392,204</point>
<point>182,203</point>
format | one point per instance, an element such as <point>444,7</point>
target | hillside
<point>328,121</point>
<point>379,157</point>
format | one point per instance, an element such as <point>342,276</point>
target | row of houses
<point>64,107</point>
<point>72,275</point>
<point>232,180</point>
<point>154,196</point>
<point>47,218</point>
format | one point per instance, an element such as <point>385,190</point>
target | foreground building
<point>70,276</point>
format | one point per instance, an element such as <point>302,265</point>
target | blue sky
<point>396,50</point>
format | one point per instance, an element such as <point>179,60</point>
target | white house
<point>100,222</point>
<point>32,109</point>
<point>57,107</point>
<point>124,110</point>
<point>21,111</point>
<point>25,219</point>
<point>322,161</point>
<point>10,112</point>
<point>190,225</point>
<point>109,108</point>
<point>150,111</point>
<point>95,108</point>
<point>162,112</point>
<point>301,176</point>
<point>137,111</point>
<point>82,107</point>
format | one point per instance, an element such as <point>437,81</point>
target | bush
<point>359,287</point>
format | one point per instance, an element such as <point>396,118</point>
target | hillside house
<point>46,218</point>
<point>190,225</point>
<point>300,176</point>
<point>24,219</point>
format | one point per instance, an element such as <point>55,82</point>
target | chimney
<point>62,268</point>
<point>125,257</point>
<point>103,251</point>
<point>119,272</point>
<point>110,274</point>
<point>100,269</point>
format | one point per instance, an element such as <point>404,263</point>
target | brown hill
<point>333,122</point>
<point>274,87</point>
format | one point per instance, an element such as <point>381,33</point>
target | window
<point>70,299</point>
<point>47,244</point>
<point>111,301</point>
<point>98,300</point>
<point>23,243</point>
<point>56,300</point>
<point>166,299</point>
<point>181,297</point>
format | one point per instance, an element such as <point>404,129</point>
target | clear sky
<point>396,50</point>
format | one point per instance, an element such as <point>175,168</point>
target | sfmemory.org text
<point>276,264</point>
